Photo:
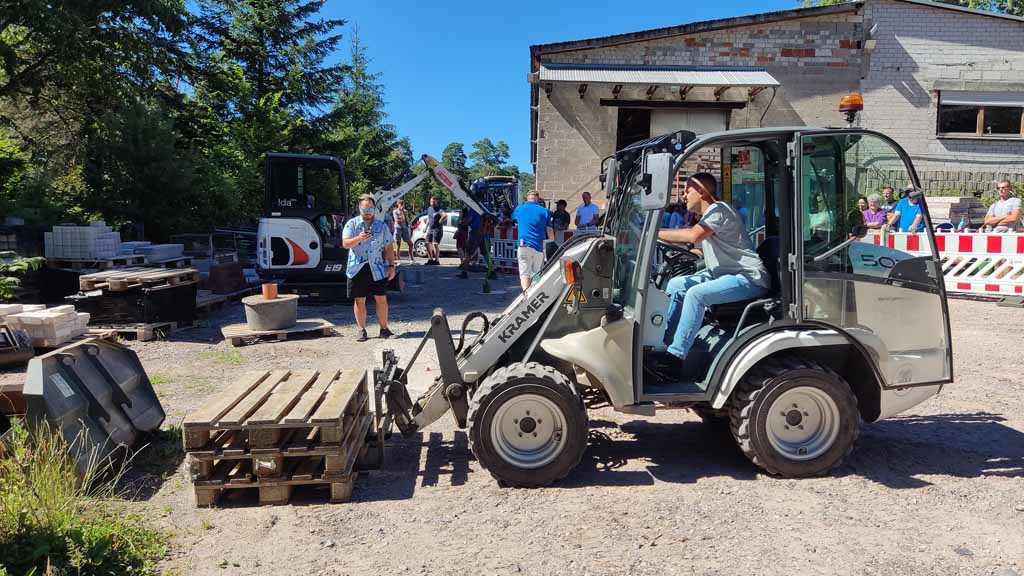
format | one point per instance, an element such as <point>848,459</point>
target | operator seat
<point>727,316</point>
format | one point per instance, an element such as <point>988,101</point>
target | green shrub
<point>54,522</point>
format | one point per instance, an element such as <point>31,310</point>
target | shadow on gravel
<point>396,478</point>
<point>153,463</point>
<point>679,453</point>
<point>896,451</point>
<point>450,458</point>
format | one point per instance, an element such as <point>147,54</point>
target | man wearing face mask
<point>371,264</point>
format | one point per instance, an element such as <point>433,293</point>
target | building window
<point>981,114</point>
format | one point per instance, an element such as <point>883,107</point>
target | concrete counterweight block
<point>277,314</point>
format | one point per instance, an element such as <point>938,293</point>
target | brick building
<point>946,82</point>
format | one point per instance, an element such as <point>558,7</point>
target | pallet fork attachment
<point>449,390</point>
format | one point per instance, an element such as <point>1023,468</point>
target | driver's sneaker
<point>385,333</point>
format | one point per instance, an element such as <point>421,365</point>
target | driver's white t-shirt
<point>728,249</point>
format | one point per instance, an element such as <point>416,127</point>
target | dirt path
<point>937,491</point>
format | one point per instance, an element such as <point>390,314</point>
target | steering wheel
<point>676,260</point>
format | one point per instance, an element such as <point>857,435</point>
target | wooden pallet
<point>146,332</point>
<point>207,300</point>
<point>137,277</point>
<point>92,264</point>
<point>179,262</point>
<point>273,430</point>
<point>45,345</point>
<point>240,334</point>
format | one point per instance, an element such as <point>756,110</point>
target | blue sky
<point>455,71</point>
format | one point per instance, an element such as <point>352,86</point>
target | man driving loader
<point>734,271</point>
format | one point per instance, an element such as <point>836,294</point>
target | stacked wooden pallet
<point>136,277</point>
<point>274,430</point>
<point>90,264</point>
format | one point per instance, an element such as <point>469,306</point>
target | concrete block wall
<point>817,60</point>
<point>919,47</point>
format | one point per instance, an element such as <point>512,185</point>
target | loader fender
<point>767,345</point>
<point>606,352</point>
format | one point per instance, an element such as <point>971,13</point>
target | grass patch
<point>52,521</point>
<point>159,380</point>
<point>227,357</point>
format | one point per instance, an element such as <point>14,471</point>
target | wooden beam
<point>682,105</point>
<point>651,90</point>
<point>720,91</point>
<point>754,92</point>
<point>980,128</point>
<point>582,90</point>
<point>683,91</point>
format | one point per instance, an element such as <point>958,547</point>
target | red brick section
<point>725,44</point>
<point>693,42</point>
<point>847,44</point>
<point>798,52</point>
<point>766,58</point>
<point>838,64</point>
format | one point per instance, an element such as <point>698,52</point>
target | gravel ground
<point>938,490</point>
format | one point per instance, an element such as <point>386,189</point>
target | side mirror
<point>656,181</point>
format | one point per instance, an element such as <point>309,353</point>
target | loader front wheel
<point>527,425</point>
<point>794,417</point>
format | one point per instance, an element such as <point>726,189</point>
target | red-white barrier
<point>504,248</point>
<point>972,263</point>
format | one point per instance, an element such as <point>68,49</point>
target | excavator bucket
<point>97,394</point>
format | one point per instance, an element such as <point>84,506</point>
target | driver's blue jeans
<point>690,295</point>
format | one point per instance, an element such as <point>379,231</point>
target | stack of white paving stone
<point>48,327</point>
<point>97,241</point>
<point>8,309</point>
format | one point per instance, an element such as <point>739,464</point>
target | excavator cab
<point>299,235</point>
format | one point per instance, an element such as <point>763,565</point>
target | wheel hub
<point>528,425</point>
<point>794,417</point>
<point>803,423</point>
<point>527,430</point>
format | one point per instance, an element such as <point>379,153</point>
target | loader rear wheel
<point>794,417</point>
<point>527,425</point>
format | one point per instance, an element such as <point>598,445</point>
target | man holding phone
<point>371,264</point>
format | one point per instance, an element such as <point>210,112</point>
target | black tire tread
<point>514,371</point>
<point>754,383</point>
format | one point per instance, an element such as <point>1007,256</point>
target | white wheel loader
<point>850,332</point>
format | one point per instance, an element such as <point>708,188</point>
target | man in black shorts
<point>371,264</point>
<point>436,219</point>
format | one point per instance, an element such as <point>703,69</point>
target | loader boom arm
<point>385,199</point>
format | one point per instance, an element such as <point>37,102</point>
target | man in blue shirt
<point>586,214</point>
<point>534,226</point>
<point>908,213</point>
<point>371,264</point>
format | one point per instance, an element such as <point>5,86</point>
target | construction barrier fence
<point>972,263</point>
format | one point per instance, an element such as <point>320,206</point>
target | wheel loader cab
<point>883,309</point>
<point>850,328</point>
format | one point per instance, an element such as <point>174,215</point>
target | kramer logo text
<point>531,310</point>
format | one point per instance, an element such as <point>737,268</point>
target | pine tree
<point>357,130</point>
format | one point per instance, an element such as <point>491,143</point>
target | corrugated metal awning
<point>978,98</point>
<point>651,75</point>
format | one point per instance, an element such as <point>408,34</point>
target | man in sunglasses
<point>1004,214</point>
<point>371,264</point>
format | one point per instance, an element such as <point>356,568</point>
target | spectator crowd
<point>903,214</point>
